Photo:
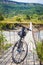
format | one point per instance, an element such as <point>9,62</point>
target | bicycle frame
<point>23,45</point>
<point>22,34</point>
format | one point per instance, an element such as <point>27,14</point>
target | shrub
<point>40,51</point>
<point>6,46</point>
<point>1,18</point>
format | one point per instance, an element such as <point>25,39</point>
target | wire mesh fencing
<point>11,37</point>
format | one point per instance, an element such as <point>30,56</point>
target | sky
<point>30,1</point>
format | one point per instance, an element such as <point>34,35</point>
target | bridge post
<point>30,25</point>
<point>33,39</point>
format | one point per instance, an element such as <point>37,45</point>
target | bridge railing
<point>12,37</point>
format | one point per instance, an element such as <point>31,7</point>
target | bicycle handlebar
<point>22,26</point>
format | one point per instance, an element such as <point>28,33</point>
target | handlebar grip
<point>28,29</point>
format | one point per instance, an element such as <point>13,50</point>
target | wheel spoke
<point>20,54</point>
<point>19,58</point>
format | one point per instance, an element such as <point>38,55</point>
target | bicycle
<point>20,49</point>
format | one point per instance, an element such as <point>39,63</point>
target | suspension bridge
<point>32,57</point>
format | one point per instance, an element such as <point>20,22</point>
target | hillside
<point>10,9</point>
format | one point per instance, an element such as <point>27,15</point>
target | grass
<point>22,20</point>
<point>6,46</point>
<point>40,50</point>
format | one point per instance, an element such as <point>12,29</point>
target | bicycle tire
<point>15,61</point>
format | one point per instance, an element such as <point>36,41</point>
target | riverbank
<point>12,26</point>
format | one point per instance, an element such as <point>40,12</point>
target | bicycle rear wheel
<point>18,55</point>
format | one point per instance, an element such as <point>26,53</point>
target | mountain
<point>12,8</point>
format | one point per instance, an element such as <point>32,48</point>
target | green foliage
<point>6,46</point>
<point>10,26</point>
<point>10,10</point>
<point>28,17</point>
<point>40,50</point>
<point>2,45</point>
<point>18,19</point>
<point>0,26</point>
<point>28,12</point>
<point>2,40</point>
<point>40,18</point>
<point>1,18</point>
<point>6,26</point>
<point>3,25</point>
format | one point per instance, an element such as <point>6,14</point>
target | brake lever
<point>29,29</point>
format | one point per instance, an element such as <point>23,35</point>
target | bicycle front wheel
<point>18,55</point>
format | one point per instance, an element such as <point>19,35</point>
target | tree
<point>40,18</point>
<point>10,26</point>
<point>28,17</point>
<point>18,19</point>
<point>1,18</point>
